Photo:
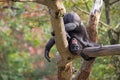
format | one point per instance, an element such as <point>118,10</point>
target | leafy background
<point>25,29</point>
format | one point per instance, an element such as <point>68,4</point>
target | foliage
<point>22,43</point>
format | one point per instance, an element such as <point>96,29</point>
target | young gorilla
<point>76,35</point>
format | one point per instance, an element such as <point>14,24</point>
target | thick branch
<point>107,50</point>
<point>64,71</point>
<point>60,37</point>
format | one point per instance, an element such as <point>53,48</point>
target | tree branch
<point>94,19</point>
<point>114,2</point>
<point>53,4</point>
<point>87,5</point>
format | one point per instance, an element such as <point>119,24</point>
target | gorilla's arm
<point>48,46</point>
<point>71,26</point>
<point>88,43</point>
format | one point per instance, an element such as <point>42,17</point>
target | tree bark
<point>65,72</point>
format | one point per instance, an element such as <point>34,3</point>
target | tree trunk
<point>92,31</point>
<point>107,11</point>
<point>65,72</point>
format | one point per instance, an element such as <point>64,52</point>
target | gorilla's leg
<point>48,46</point>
